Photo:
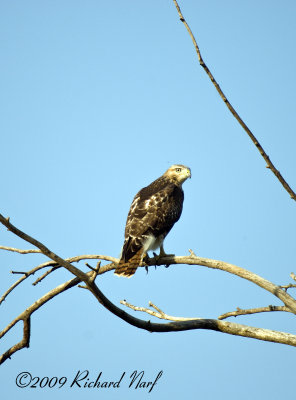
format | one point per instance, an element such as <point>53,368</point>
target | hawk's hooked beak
<point>189,173</point>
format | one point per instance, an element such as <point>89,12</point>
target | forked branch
<point>231,328</point>
<point>177,324</point>
<point>25,342</point>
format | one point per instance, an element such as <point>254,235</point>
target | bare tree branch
<point>288,300</point>
<point>221,326</point>
<point>239,311</point>
<point>26,315</point>
<point>158,313</point>
<point>211,324</point>
<point>71,268</point>
<point>177,325</point>
<point>55,265</point>
<point>25,342</point>
<point>269,164</point>
<point>19,250</point>
<point>286,287</point>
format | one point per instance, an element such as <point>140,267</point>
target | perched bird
<point>153,213</point>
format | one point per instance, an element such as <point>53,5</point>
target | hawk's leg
<point>162,253</point>
<point>156,257</point>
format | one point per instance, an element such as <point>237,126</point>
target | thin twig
<point>55,265</point>
<point>46,251</point>
<point>103,269</point>
<point>41,277</point>
<point>286,287</point>
<point>156,308</point>
<point>158,314</point>
<point>19,273</point>
<point>96,271</point>
<point>191,252</point>
<point>269,165</point>
<point>83,287</point>
<point>239,311</point>
<point>19,250</point>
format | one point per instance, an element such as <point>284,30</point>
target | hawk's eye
<point>178,169</point>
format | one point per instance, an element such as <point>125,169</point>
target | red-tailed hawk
<point>153,213</point>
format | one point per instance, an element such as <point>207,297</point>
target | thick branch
<point>211,324</point>
<point>25,342</point>
<point>233,111</point>
<point>75,271</point>
<point>288,300</point>
<point>226,327</point>
<point>88,279</point>
<point>178,325</point>
<point>26,315</point>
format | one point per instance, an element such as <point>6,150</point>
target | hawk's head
<point>178,174</point>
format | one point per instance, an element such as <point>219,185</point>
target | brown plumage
<point>153,213</point>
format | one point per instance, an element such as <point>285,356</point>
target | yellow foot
<point>161,254</point>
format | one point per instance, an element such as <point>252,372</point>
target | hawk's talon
<point>161,254</point>
<point>146,259</point>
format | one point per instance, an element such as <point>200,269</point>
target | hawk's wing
<point>151,213</point>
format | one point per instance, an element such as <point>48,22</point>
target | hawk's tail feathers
<point>128,268</point>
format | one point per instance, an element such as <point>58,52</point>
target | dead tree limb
<point>178,324</point>
<point>231,328</point>
<point>269,164</point>
<point>239,311</point>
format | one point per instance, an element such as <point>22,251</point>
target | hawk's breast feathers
<point>153,212</point>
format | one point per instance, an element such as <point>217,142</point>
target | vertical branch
<point>269,164</point>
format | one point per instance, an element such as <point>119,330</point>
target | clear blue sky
<point>97,100</point>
